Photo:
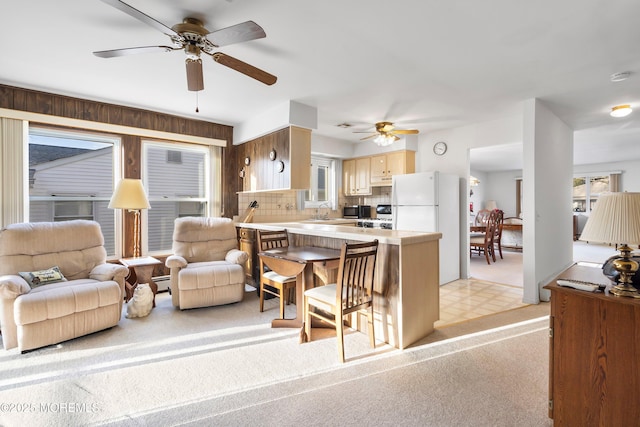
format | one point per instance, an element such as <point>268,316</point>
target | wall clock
<point>439,148</point>
<point>272,154</point>
<point>247,160</point>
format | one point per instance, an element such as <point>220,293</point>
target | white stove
<point>382,220</point>
<point>384,223</point>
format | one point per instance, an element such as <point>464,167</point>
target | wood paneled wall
<point>262,171</point>
<point>15,98</point>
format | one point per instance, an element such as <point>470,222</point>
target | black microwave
<point>356,211</point>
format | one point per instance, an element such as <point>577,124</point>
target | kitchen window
<point>323,182</point>
<point>71,176</point>
<point>175,189</point>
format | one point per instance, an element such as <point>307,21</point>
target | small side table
<point>143,268</point>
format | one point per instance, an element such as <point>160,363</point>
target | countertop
<point>313,228</point>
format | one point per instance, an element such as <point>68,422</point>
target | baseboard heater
<point>163,282</point>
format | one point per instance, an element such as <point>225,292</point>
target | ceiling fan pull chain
<point>197,110</point>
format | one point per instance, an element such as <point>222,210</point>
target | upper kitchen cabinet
<point>385,166</point>
<point>356,176</point>
<point>278,161</point>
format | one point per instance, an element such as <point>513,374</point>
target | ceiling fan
<point>387,134</point>
<point>191,36</point>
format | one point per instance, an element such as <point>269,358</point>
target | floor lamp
<point>130,195</point>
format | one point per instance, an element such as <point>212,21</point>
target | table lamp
<point>130,195</point>
<point>616,219</point>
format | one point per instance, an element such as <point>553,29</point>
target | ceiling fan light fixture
<point>621,110</point>
<point>384,140</point>
<point>195,79</point>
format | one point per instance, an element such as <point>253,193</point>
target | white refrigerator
<point>430,201</point>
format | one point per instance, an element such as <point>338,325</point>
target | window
<point>71,177</point>
<point>322,191</point>
<point>586,190</point>
<point>175,189</point>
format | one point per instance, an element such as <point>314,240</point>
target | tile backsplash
<point>283,206</point>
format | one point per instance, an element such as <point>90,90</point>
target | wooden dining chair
<point>271,282</point>
<point>484,243</point>
<point>497,234</point>
<point>352,293</point>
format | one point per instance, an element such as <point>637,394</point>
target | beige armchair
<point>206,266</point>
<point>84,295</point>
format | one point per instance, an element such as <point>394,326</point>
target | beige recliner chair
<point>206,268</point>
<point>83,296</point>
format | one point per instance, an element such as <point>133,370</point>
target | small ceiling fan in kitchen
<point>387,134</point>
<point>191,36</point>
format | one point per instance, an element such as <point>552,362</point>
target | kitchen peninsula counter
<point>360,234</point>
<point>406,289</point>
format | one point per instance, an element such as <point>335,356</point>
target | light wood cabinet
<point>385,166</point>
<point>594,353</point>
<point>356,176</point>
<point>247,243</point>
<point>363,176</point>
<point>349,177</point>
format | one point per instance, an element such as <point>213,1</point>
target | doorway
<point>497,183</point>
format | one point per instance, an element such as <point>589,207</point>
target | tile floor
<point>463,300</point>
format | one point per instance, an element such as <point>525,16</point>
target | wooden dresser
<point>594,355</point>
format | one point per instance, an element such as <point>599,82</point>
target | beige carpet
<point>226,366</point>
<point>507,270</point>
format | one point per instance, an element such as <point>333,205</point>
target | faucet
<point>324,205</point>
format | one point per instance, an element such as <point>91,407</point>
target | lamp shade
<point>615,219</point>
<point>129,194</point>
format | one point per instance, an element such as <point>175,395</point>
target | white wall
<point>331,147</point>
<point>547,218</point>
<point>278,117</point>
<point>456,160</point>
<point>501,187</point>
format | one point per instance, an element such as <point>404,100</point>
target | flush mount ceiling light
<point>621,110</point>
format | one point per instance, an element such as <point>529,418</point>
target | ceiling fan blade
<point>195,81</point>
<point>132,51</point>
<point>236,33</point>
<point>368,137</point>
<point>405,131</point>
<point>135,13</point>
<point>244,68</point>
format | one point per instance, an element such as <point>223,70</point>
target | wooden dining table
<point>298,261</point>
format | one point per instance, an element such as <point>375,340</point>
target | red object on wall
<point>471,206</point>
